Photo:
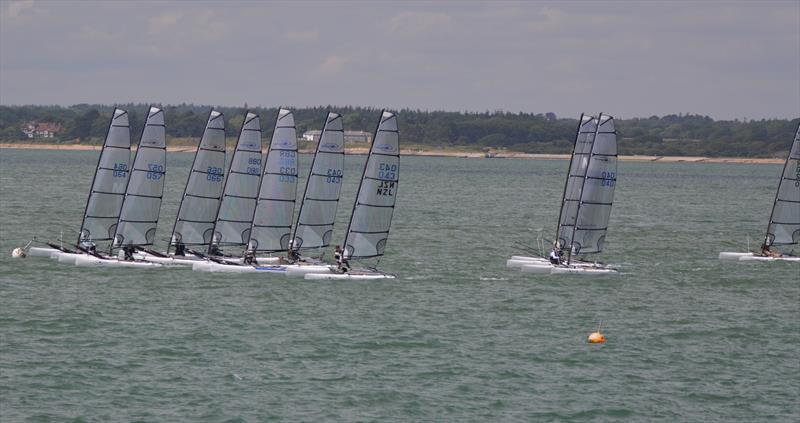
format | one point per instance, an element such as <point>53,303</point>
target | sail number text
<point>155,171</point>
<point>387,172</point>
<point>386,187</point>
<point>120,170</point>
<point>255,167</point>
<point>609,179</point>
<point>334,176</point>
<point>214,174</point>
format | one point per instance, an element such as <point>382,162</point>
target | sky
<point>727,60</point>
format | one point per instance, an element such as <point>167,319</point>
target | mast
<point>230,170</point>
<point>583,184</point>
<point>277,173</point>
<point>154,172</point>
<point>566,181</point>
<point>361,183</point>
<point>371,219</point>
<point>100,163</point>
<point>308,182</point>
<point>792,148</point>
<point>211,117</point>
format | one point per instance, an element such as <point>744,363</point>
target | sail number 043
<point>387,172</point>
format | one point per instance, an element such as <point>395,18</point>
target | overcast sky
<point>629,59</point>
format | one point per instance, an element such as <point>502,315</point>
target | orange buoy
<point>596,338</point>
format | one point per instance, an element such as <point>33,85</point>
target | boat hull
<point>760,258</point>
<point>41,251</point>
<point>346,276</point>
<point>87,260</point>
<point>732,256</point>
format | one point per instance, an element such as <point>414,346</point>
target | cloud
<point>162,22</point>
<point>333,64</point>
<point>549,19</point>
<point>15,8</point>
<point>417,23</point>
<point>302,36</point>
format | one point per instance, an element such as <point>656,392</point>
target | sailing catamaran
<point>586,203</point>
<point>138,219</point>
<point>201,198</point>
<point>105,195</point>
<point>271,231</point>
<point>783,229</point>
<point>373,208</point>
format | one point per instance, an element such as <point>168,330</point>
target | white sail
<point>598,191</point>
<point>203,191</point>
<point>235,214</point>
<point>272,223</point>
<point>317,214</point>
<point>784,221</point>
<point>142,204</point>
<point>372,214</point>
<point>570,203</point>
<point>108,186</point>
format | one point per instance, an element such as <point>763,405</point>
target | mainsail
<point>573,187</point>
<point>272,222</point>
<point>317,214</point>
<point>784,220</point>
<point>142,204</point>
<point>201,197</point>
<point>235,214</point>
<point>374,206</point>
<point>597,194</point>
<point>108,186</point>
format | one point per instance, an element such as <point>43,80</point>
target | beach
<point>439,153</point>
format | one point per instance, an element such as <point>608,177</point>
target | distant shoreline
<point>440,153</point>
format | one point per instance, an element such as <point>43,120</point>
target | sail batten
<point>317,215</point>
<point>235,213</point>
<point>203,191</point>
<point>145,188</point>
<point>107,192</point>
<point>784,220</point>
<point>372,214</point>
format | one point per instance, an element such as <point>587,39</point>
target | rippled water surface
<point>457,337</point>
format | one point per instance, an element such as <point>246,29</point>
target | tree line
<point>673,135</point>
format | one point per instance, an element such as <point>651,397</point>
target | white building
<point>349,136</point>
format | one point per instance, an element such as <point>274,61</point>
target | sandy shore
<point>439,153</point>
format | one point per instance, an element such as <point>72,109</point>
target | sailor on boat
<point>180,249</point>
<point>250,257</point>
<point>555,256</point>
<point>127,252</point>
<point>341,261</point>
<point>293,256</point>
<point>767,252</point>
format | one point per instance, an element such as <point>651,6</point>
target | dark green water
<point>457,337</point>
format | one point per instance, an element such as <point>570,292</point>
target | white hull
<point>190,260</point>
<point>347,276</point>
<point>732,256</point>
<point>543,266</point>
<point>41,251</point>
<point>288,269</point>
<point>66,258</point>
<point>87,260</point>
<point>760,258</point>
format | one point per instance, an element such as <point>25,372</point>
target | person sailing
<point>293,256</point>
<point>767,252</point>
<point>341,261</point>
<point>555,256</point>
<point>180,249</point>
<point>128,251</point>
<point>250,257</point>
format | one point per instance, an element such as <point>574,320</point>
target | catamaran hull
<point>66,258</point>
<point>41,251</point>
<point>732,256</point>
<point>760,258</point>
<point>346,276</point>
<point>583,269</point>
<point>86,260</point>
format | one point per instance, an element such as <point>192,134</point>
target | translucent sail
<point>784,221</point>
<point>239,196</point>
<point>201,197</point>
<point>317,214</point>
<point>108,186</point>
<point>272,223</point>
<point>579,164</point>
<point>598,191</point>
<point>142,204</point>
<point>372,213</point>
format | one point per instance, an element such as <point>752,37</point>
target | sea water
<point>456,337</point>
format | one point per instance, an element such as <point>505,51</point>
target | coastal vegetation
<point>670,135</point>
